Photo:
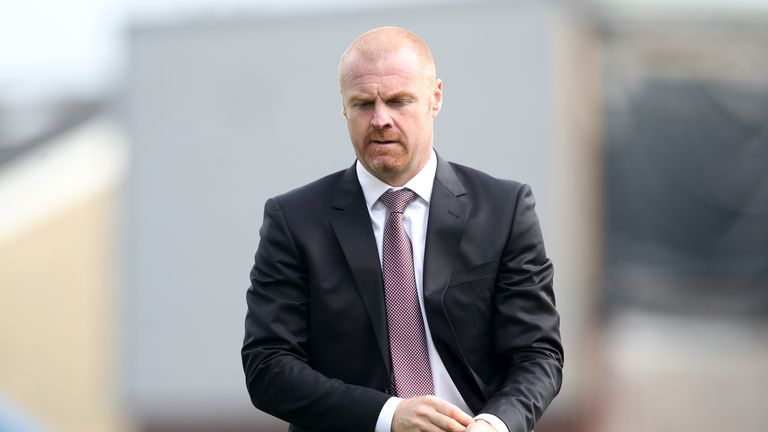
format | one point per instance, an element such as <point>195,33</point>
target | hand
<point>480,426</point>
<point>429,414</point>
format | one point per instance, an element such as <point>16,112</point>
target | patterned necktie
<point>407,342</point>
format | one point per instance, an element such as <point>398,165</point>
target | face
<point>390,105</point>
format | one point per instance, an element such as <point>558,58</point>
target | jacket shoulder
<point>319,191</point>
<point>478,181</point>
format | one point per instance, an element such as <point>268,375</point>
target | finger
<point>435,428</point>
<point>427,423</point>
<point>479,426</point>
<point>420,414</point>
<point>452,411</point>
<point>445,423</point>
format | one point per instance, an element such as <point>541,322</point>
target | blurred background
<point>139,141</point>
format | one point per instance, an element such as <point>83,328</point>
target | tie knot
<point>397,201</point>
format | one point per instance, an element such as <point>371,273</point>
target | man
<point>405,293</point>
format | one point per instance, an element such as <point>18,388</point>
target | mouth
<point>384,142</point>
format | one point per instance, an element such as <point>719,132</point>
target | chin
<point>386,162</point>
<point>386,167</point>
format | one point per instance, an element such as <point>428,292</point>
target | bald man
<point>404,293</point>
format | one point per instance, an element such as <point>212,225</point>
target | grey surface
<point>224,114</point>
<point>687,198</point>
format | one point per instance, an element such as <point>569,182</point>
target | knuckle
<point>418,424</point>
<point>422,410</point>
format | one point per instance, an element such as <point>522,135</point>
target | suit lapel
<point>351,223</point>
<point>448,214</point>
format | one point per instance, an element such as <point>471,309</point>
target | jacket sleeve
<point>527,335</point>
<point>278,372</point>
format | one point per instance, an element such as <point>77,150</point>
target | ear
<point>437,98</point>
<point>343,107</point>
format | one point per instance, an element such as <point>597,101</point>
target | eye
<point>362,104</point>
<point>399,102</point>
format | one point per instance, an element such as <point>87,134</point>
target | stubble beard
<point>385,160</point>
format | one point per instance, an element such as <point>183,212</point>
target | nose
<point>381,118</point>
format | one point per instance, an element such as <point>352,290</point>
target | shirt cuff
<point>384,422</point>
<point>496,422</point>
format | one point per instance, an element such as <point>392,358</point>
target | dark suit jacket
<point>316,350</point>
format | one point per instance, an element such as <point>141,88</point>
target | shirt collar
<point>421,183</point>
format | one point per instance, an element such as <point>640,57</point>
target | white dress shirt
<point>415,223</point>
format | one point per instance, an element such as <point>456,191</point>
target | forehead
<point>402,69</point>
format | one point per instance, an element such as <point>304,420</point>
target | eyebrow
<point>403,94</point>
<point>359,98</point>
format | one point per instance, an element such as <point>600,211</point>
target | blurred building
<point>59,195</point>
<point>686,210</point>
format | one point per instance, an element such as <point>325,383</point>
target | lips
<point>382,140</point>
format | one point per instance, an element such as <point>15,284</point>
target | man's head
<point>390,97</point>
